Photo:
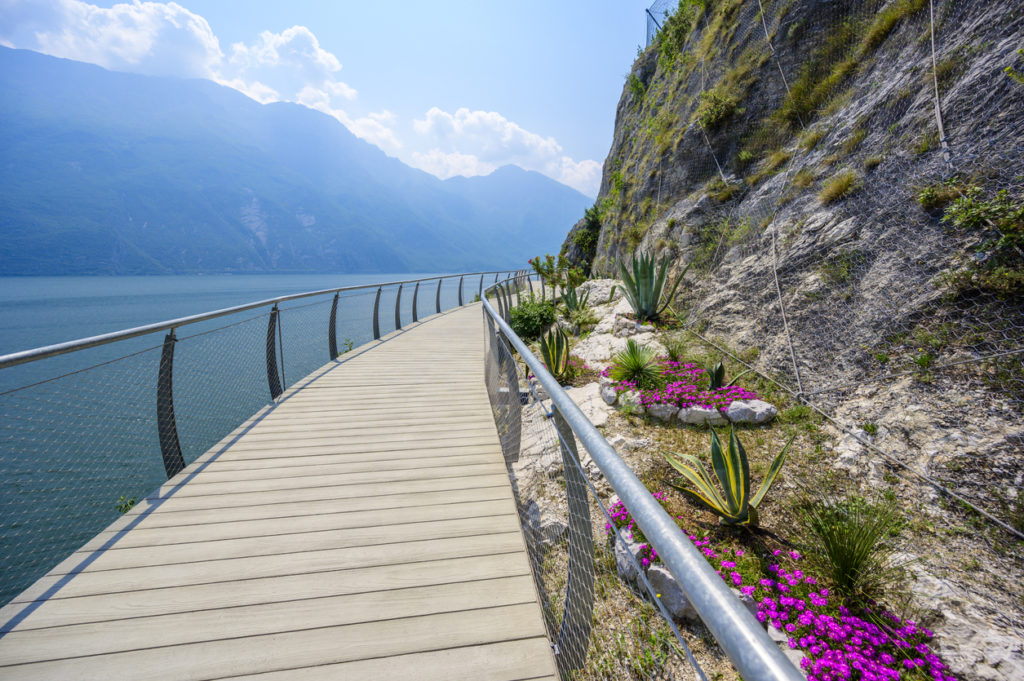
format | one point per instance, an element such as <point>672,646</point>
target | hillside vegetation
<point>845,183</point>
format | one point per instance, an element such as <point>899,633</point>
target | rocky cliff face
<point>844,181</point>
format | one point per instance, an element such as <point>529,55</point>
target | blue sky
<point>452,87</point>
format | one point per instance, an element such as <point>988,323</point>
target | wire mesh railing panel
<point>602,615</point>
<point>220,379</point>
<point>75,449</point>
<point>304,337</point>
<point>354,319</point>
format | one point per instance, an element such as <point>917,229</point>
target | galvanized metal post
<point>273,378</point>
<point>376,315</point>
<point>529,280</point>
<point>543,289</point>
<point>415,297</point>
<point>574,634</point>
<point>437,300</point>
<point>480,291</point>
<point>460,291</point>
<point>398,313</point>
<point>332,329</point>
<point>170,446</point>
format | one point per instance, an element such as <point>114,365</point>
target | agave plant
<point>735,506</point>
<point>574,302</point>
<point>644,287</point>
<point>716,376</point>
<point>636,363</point>
<point>554,348</point>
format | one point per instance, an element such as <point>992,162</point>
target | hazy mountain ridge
<point>114,173</point>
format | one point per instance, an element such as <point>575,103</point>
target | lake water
<point>78,432</point>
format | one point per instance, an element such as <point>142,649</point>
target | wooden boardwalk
<point>362,528</point>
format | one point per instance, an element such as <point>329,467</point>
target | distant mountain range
<point>115,173</point>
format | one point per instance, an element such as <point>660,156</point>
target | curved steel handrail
<point>34,354</point>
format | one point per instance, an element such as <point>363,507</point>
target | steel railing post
<point>273,378</point>
<point>170,446</point>
<point>574,634</point>
<point>415,297</point>
<point>543,289</point>
<point>480,291</point>
<point>332,329</point>
<point>376,315</point>
<point>437,299</point>
<point>460,290</point>
<point>398,314</point>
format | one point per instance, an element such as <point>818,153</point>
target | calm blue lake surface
<point>78,432</point>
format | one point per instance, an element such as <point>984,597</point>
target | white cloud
<point>445,165</point>
<point>476,142</point>
<point>154,38</point>
<point>289,62</point>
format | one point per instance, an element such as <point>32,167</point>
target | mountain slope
<point>108,172</point>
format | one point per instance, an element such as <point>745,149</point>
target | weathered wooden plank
<point>525,660</point>
<point>295,648</point>
<point>303,613</point>
<point>109,583</point>
<point>272,527</point>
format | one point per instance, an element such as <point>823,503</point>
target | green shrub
<point>849,541</point>
<point>636,88</point>
<point>999,218</point>
<point>714,108</point>
<point>531,317</point>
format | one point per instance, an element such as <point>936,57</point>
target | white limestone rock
<point>631,401</point>
<point>663,412</point>
<point>753,412</point>
<point>624,548</point>
<point>669,593</point>
<point>700,416</point>
<point>591,402</point>
<point>543,527</point>
<point>609,395</point>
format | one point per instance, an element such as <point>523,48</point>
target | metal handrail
<point>741,636</point>
<point>34,354</point>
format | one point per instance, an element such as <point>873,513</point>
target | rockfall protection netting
<point>80,433</point>
<point>848,182</point>
<point>605,618</point>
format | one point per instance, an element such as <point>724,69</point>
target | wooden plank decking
<point>361,528</point>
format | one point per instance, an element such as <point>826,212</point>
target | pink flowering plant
<point>680,384</point>
<point>839,641</point>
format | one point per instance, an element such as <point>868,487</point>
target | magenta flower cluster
<point>681,388</point>
<point>842,645</point>
<point>838,644</point>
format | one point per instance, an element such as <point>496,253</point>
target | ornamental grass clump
<point>850,542</point>
<point>734,505</point>
<point>636,366</point>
